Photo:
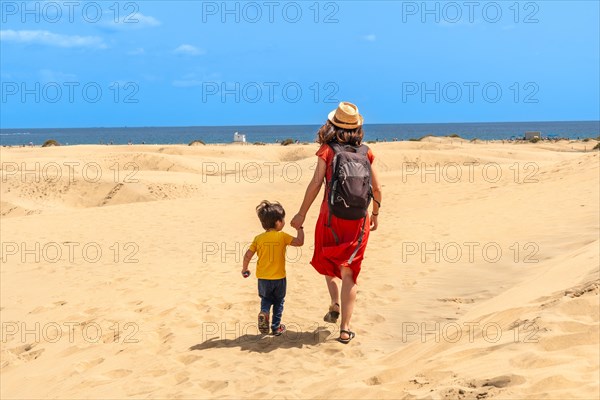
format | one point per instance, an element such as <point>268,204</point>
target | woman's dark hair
<point>329,133</point>
<point>269,213</point>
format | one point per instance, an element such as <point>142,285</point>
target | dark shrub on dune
<point>454,135</point>
<point>597,146</point>
<point>534,140</point>
<point>50,143</point>
<point>196,143</point>
<point>259,144</point>
<point>287,141</point>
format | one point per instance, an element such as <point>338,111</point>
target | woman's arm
<point>313,189</point>
<point>376,197</point>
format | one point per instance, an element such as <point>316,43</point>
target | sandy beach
<point>120,275</point>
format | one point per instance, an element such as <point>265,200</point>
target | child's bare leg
<point>348,299</point>
<point>334,291</point>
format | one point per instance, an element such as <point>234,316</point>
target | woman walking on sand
<point>343,226</point>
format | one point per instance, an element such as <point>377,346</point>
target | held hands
<point>297,221</point>
<point>374,222</point>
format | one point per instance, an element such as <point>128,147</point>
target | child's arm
<point>298,240</point>
<point>247,257</point>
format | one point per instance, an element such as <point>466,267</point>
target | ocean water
<point>303,133</point>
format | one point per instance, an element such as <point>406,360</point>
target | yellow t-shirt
<point>270,248</point>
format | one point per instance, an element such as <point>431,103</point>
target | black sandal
<point>350,334</point>
<point>332,316</point>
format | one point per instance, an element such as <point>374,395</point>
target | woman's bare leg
<point>334,291</point>
<point>348,299</point>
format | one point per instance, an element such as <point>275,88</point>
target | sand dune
<point>482,281</point>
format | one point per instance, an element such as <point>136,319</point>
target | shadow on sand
<point>267,343</point>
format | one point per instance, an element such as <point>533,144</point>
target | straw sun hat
<point>346,116</point>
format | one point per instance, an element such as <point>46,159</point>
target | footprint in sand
<point>523,323</point>
<point>189,359</point>
<point>143,309</point>
<point>167,312</point>
<point>458,300</point>
<point>165,335</point>
<point>118,373</point>
<point>333,351</point>
<point>139,388</point>
<point>182,377</point>
<point>504,381</point>
<point>48,307</point>
<point>26,352</point>
<point>378,318</point>
<point>372,381</point>
<point>214,386</point>
<point>155,373</point>
<point>586,288</point>
<point>111,337</point>
<point>112,193</point>
<point>87,365</point>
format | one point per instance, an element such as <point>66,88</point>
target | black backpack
<point>350,189</point>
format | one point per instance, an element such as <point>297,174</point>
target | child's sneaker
<point>281,329</point>
<point>263,322</point>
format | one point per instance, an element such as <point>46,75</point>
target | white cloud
<point>370,38</point>
<point>51,39</point>
<point>145,20</point>
<point>188,49</point>
<point>133,21</point>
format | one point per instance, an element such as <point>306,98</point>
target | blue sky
<point>183,63</point>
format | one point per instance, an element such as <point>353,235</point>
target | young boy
<point>270,268</point>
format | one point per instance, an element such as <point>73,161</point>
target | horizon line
<point>273,125</point>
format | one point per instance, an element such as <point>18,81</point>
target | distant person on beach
<point>270,268</point>
<point>340,242</point>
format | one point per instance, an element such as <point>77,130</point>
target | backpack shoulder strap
<point>363,149</point>
<point>336,147</point>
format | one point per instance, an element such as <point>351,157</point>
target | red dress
<point>329,256</point>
